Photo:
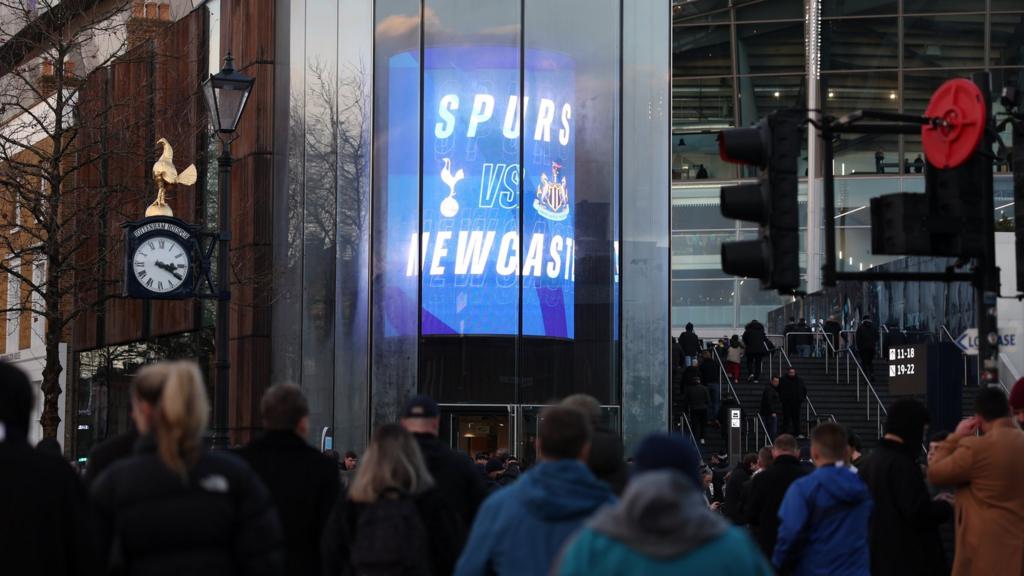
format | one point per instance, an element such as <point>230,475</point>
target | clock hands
<point>169,268</point>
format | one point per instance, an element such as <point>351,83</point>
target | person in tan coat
<point>987,471</point>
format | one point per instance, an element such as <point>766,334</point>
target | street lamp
<point>227,93</point>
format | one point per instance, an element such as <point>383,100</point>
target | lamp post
<point>226,94</point>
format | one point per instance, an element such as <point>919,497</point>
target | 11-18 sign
<point>908,370</point>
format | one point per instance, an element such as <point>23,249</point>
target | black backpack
<point>390,539</point>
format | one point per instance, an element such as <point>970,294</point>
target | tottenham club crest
<point>552,201</point>
<point>450,206</point>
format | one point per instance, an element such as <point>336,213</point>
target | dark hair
<point>991,404</point>
<point>351,454</point>
<point>563,432</point>
<point>689,326</point>
<point>16,401</point>
<point>831,440</point>
<point>786,443</point>
<point>749,461</point>
<point>283,407</point>
<point>853,441</point>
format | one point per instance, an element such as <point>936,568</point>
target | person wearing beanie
<point>661,525</point>
<point>1017,401</point>
<point>905,522</point>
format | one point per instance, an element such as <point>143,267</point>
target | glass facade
<point>452,215</point>
<point>734,62</point>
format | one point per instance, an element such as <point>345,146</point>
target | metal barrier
<point>869,390</point>
<point>746,427</point>
<point>684,426</point>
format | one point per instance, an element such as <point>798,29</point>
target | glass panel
<point>470,218</point>
<point>353,192</point>
<point>769,10</point>
<point>858,7</point>
<point>943,41</point>
<point>1009,5</point>
<point>1007,39</point>
<point>575,68</point>
<point>688,11</point>
<point>853,220</point>
<point>319,217</point>
<point>701,51</point>
<point>857,44</point>
<point>396,126</point>
<point>770,48</point>
<point>289,170</point>
<point>700,108</point>
<point>862,153</point>
<point>913,6</point>
<point>706,303</point>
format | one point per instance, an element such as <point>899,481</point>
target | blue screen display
<point>474,250</point>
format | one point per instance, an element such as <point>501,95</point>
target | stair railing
<point>736,397</point>
<point>879,406</point>
<point>963,355</point>
<point>810,405</point>
<point>684,425</point>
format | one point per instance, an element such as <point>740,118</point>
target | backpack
<point>390,539</point>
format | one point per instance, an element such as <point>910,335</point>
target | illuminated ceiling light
<point>892,95</point>
<point>831,94</point>
<point>776,93</point>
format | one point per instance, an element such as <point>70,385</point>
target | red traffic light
<point>746,145</point>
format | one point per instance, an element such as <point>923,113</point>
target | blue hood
<point>562,490</point>
<point>842,485</point>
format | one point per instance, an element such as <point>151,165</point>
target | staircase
<point>840,399</point>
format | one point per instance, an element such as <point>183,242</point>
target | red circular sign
<point>960,109</point>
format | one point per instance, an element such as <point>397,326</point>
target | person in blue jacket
<point>520,529</point>
<point>662,525</point>
<point>824,517</point>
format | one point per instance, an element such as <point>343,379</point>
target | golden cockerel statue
<point>165,175</point>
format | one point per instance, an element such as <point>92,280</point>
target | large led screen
<point>474,249</point>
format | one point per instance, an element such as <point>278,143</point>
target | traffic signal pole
<point>947,242</point>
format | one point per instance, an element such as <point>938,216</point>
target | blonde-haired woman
<point>173,507</point>
<point>392,521</point>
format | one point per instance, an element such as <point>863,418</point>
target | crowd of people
<point>163,503</point>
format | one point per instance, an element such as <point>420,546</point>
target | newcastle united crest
<point>552,201</point>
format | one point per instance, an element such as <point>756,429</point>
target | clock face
<point>161,264</point>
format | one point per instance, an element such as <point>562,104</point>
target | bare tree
<point>49,158</point>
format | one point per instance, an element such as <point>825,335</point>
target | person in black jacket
<point>175,508</point>
<point>455,475</point>
<point>606,459</point>
<point>45,526</point>
<point>303,482</point>
<point>733,504</point>
<point>793,392</point>
<point>690,344</point>
<point>905,521</point>
<point>803,339</point>
<point>393,519</point>
<point>866,339</point>
<point>832,329</point>
<point>768,488</point>
<point>755,343</point>
<point>104,454</point>
<point>771,407</point>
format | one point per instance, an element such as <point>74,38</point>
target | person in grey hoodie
<point>661,525</point>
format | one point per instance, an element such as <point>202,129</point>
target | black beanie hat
<point>907,419</point>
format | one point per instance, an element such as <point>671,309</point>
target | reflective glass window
<point>1007,39</point>
<point>769,9</point>
<point>949,41</point>
<point>843,93</point>
<point>859,43</point>
<point>701,51</point>
<point>770,47</point>
<point>690,11</point>
<point>858,7</point>
<point>915,6</point>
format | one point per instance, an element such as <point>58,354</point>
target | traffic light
<point>773,145</point>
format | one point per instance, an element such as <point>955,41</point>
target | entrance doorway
<point>475,429</point>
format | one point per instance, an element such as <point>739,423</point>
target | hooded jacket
<point>521,528</point>
<point>661,526</point>
<point>823,525</point>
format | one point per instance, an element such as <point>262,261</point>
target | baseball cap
<point>421,406</point>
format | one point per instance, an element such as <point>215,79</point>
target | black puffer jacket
<point>220,521</point>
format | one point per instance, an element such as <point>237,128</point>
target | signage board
<point>968,341</point>
<point>908,370</point>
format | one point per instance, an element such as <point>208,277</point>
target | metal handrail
<point>963,355</point>
<point>810,405</point>
<point>684,424</point>
<point>722,372</point>
<point>879,407</point>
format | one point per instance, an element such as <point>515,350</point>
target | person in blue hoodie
<point>520,529</point>
<point>662,524</point>
<point>824,517</point>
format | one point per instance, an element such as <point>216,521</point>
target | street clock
<point>159,259</point>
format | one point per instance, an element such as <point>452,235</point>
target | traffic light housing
<point>773,145</point>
